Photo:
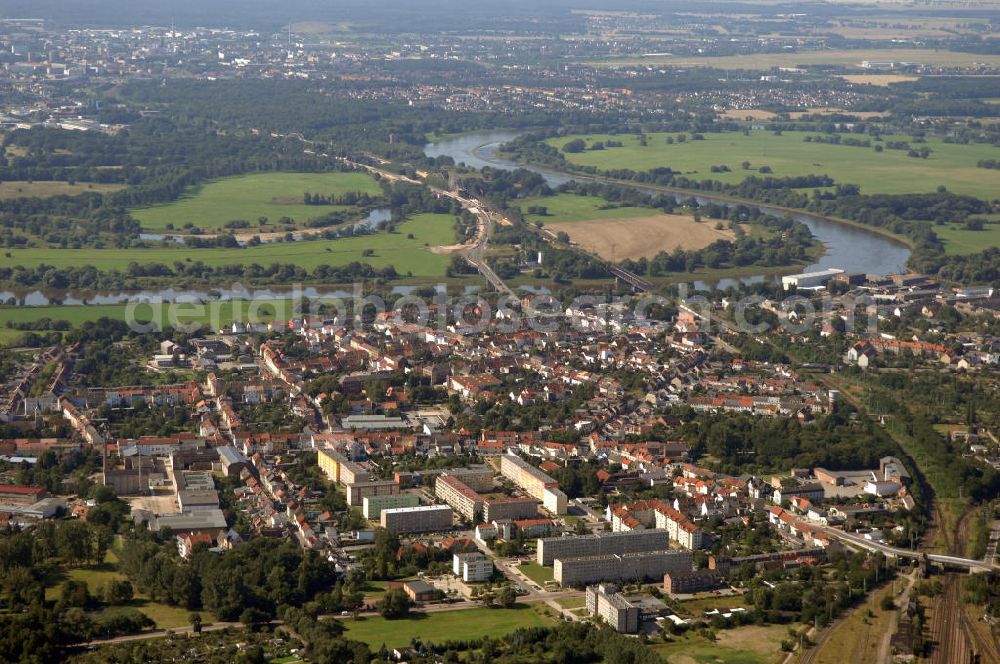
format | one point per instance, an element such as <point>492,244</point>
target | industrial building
<point>621,567</point>
<point>601,544</point>
<point>421,519</point>
<point>809,279</point>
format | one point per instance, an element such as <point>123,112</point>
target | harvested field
<point>881,80</point>
<point>641,237</point>
<point>748,114</point>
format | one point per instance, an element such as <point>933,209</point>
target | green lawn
<point>220,313</point>
<point>890,171</point>
<point>570,207</point>
<point>750,644</point>
<point>958,240</point>
<point>396,249</point>
<point>536,572</point>
<point>249,197</point>
<point>443,626</point>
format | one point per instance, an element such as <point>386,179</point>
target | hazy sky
<point>398,14</point>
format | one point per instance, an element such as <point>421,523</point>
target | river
<point>847,247</point>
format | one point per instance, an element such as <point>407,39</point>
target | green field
<point>442,626</point>
<point>222,313</point>
<point>750,644</point>
<point>396,249</point>
<point>98,576</point>
<point>958,240</point>
<point>889,172</point>
<point>44,188</point>
<point>249,197</point>
<point>536,572</point>
<point>570,207</point>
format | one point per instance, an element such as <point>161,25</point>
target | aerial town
<point>533,334</point>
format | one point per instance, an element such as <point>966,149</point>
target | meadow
<point>97,577</point>
<point>889,172</point>
<point>959,240</point>
<point>249,197</point>
<point>459,625</point>
<point>45,189</point>
<point>397,249</point>
<point>564,208</point>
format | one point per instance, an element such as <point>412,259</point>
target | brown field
<point>881,80</point>
<point>21,189</point>
<point>641,237</point>
<point>748,114</point>
<point>795,115</point>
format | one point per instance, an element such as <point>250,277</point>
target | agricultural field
<point>615,233</point>
<point>249,197</point>
<point>443,626</point>
<point>407,255</point>
<point>846,58</point>
<point>889,172</point>
<point>45,189</point>
<point>642,237</point>
<point>879,80</point>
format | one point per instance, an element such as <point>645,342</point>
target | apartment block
<point>534,482</point>
<point>621,567</point>
<point>682,530</point>
<point>513,509</point>
<point>372,506</point>
<point>421,519</point>
<point>472,567</point>
<point>601,544</point>
<point>339,468</point>
<point>605,602</point>
<point>692,582</point>
<point>477,478</point>
<point>467,503</point>
<point>358,491</point>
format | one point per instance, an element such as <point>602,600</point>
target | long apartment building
<point>339,468</point>
<point>513,509</point>
<point>421,519</point>
<point>358,491</point>
<point>477,478</point>
<point>549,549</point>
<point>372,506</point>
<point>467,503</point>
<point>534,482</point>
<point>621,567</point>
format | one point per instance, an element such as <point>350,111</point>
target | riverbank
<point>848,245</point>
